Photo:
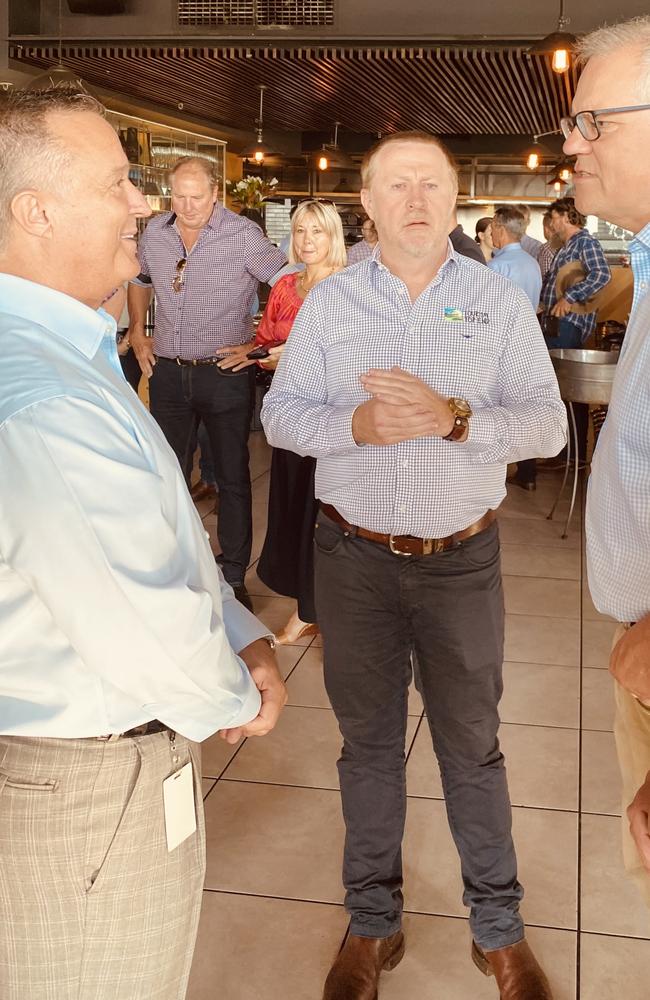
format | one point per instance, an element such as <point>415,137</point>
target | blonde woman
<point>286,563</point>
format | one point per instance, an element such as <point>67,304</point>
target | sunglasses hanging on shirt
<point>179,278</point>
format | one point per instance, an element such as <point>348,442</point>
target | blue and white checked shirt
<point>360,251</point>
<point>213,307</point>
<point>112,610</point>
<point>618,501</point>
<point>583,247</point>
<point>471,333</point>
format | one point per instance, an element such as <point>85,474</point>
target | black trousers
<point>376,610</point>
<point>180,397</point>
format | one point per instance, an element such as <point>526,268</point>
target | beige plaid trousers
<point>92,904</point>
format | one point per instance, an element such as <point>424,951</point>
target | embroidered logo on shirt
<point>454,314</point>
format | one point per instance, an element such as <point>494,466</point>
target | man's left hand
<point>234,356</point>
<point>638,813</point>
<point>629,662</point>
<point>561,308</point>
<point>262,664</point>
<point>400,388</point>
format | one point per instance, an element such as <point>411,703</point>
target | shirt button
<point>402,508</point>
<point>404,464</point>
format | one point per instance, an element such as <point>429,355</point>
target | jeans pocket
<point>328,538</point>
<point>482,550</point>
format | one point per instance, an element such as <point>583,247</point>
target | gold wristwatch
<point>462,411</point>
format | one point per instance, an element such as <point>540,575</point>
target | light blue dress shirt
<point>618,501</point>
<point>514,263</point>
<point>112,609</point>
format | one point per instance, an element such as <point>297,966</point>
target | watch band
<point>460,426</point>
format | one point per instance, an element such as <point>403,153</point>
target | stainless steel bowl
<point>584,376</point>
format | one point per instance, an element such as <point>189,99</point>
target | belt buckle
<point>397,552</point>
<point>178,361</point>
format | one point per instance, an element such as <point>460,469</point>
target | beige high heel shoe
<point>295,629</point>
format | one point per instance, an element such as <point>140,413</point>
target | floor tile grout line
<point>580,719</point>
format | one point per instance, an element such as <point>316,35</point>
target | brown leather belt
<point>193,362</point>
<point>409,545</point>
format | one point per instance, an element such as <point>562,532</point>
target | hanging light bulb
<point>558,44</point>
<point>259,156</point>
<point>258,150</point>
<point>323,162</point>
<point>560,60</point>
<point>533,160</point>
<point>565,174</point>
<point>557,186</point>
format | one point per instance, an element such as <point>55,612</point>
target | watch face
<point>461,407</point>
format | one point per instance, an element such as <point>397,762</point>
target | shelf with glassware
<point>152,149</point>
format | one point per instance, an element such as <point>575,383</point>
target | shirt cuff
<point>487,431</point>
<point>242,627</point>
<point>339,430</point>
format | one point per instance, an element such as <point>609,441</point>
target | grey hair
<point>197,163</point>
<point>512,219</point>
<point>634,33</point>
<point>31,156</point>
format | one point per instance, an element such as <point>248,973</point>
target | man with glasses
<point>609,134</point>
<point>204,264</point>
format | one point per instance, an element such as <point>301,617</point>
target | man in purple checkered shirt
<point>204,264</point>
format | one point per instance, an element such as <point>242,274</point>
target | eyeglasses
<point>316,201</point>
<point>179,278</point>
<point>587,123</point>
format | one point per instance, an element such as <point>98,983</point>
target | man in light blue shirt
<point>119,641</point>
<point>612,180</point>
<point>509,258</point>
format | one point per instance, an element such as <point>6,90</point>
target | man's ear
<point>29,210</point>
<point>366,201</point>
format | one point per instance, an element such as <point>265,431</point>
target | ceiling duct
<point>256,13</point>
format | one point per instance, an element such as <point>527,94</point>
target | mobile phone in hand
<point>263,352</point>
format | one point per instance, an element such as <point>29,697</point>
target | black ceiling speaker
<point>100,8</point>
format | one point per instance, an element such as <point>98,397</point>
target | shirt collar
<point>68,318</point>
<point>509,246</point>
<point>641,240</point>
<point>212,223</point>
<point>375,259</point>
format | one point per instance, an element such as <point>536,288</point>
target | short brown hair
<point>567,206</point>
<point>432,140</point>
<point>30,155</point>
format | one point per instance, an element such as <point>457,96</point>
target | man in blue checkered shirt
<point>612,180</point>
<point>563,327</point>
<point>414,377</point>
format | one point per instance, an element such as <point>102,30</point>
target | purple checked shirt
<point>212,308</point>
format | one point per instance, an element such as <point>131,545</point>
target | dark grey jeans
<point>376,610</point>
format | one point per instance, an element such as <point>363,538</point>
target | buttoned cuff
<point>339,431</point>
<point>488,433</point>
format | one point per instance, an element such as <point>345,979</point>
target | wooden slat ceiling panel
<point>463,90</point>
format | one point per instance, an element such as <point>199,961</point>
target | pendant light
<point>332,156</point>
<point>258,150</point>
<point>558,44</point>
<point>59,75</point>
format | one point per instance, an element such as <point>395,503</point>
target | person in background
<point>483,237</point>
<point>204,264</point>
<point>286,564</point>
<point>551,247</point>
<point>510,260</point>
<point>366,246</point>
<point>121,646</point>
<point>464,244</point>
<point>529,243</point>
<point>562,327</point>
<point>413,378</point>
<point>612,181</point>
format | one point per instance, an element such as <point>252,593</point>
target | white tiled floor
<point>273,918</point>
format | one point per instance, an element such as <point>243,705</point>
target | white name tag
<point>178,801</point>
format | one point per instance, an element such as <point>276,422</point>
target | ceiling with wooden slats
<point>445,90</point>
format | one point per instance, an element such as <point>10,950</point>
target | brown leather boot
<point>518,974</point>
<point>355,973</point>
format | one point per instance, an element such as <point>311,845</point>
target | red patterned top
<point>281,310</point>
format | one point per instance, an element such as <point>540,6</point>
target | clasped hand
<point>402,408</point>
<point>263,668</point>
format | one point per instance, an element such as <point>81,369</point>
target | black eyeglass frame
<point>574,121</point>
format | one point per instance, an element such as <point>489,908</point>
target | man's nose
<point>576,143</point>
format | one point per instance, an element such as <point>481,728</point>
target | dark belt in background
<point>146,729</point>
<point>409,545</point>
<point>193,362</point>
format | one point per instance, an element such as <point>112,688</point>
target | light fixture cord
<point>60,31</point>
